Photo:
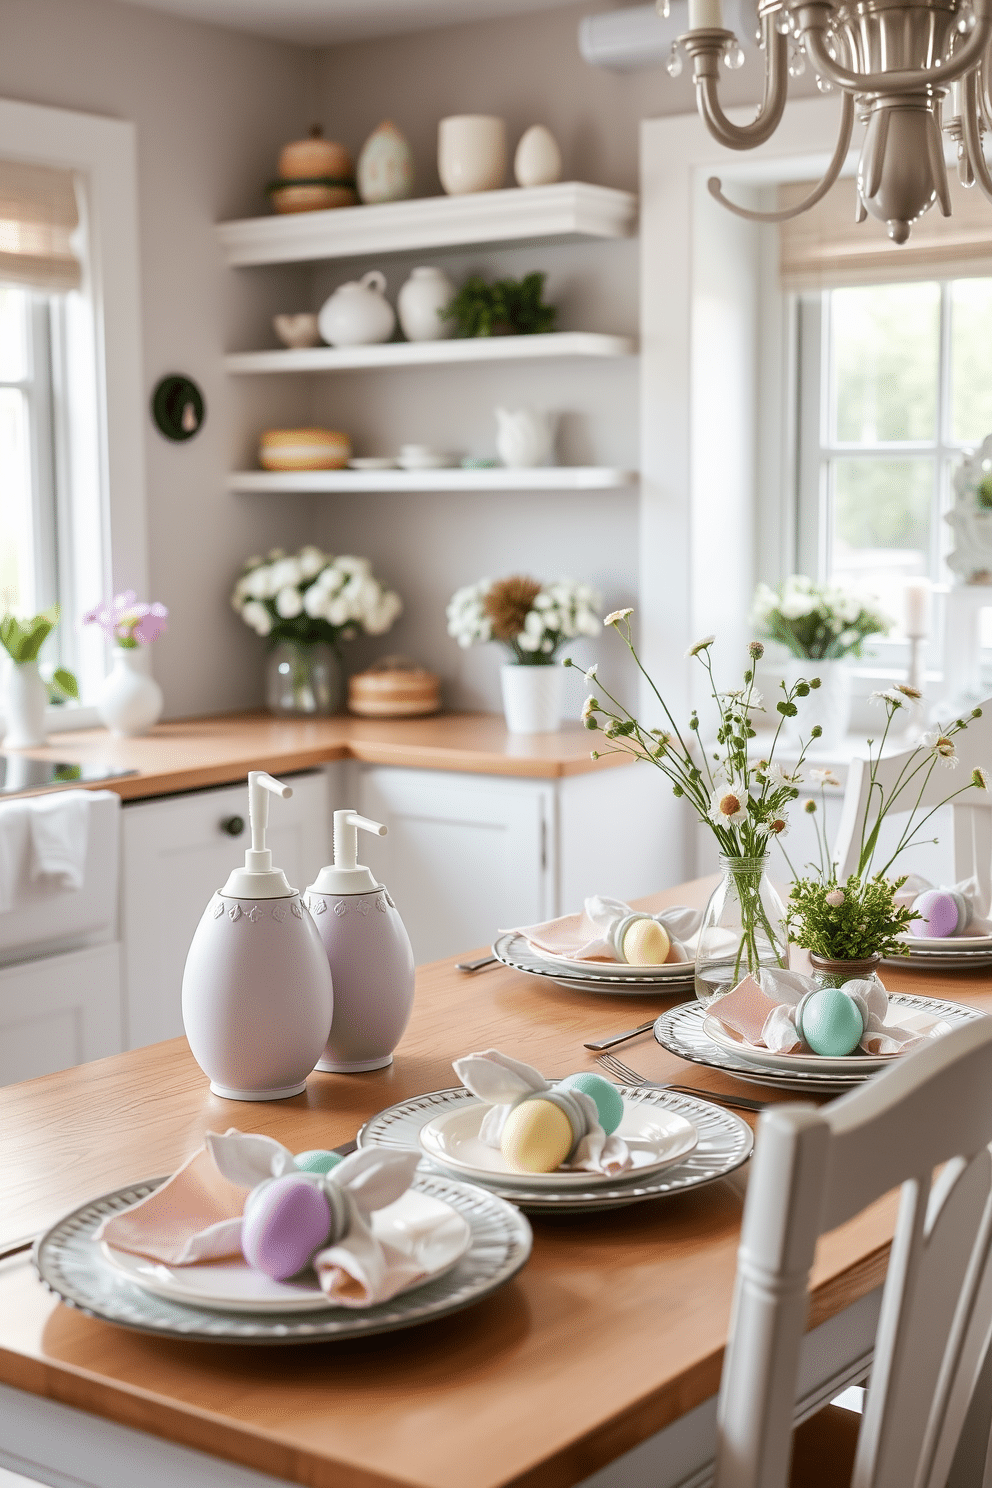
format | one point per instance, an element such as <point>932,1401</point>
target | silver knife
<point>621,1038</point>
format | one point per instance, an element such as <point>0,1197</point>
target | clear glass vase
<point>304,678</point>
<point>743,928</point>
<point>827,973</point>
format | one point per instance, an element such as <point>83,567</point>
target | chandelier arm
<point>813,21</point>
<point>706,60</point>
<point>715,186</point>
<point>973,136</point>
<point>984,97</point>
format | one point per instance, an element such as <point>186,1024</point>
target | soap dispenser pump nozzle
<point>258,879</point>
<point>346,875</point>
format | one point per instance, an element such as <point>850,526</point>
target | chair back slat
<point>814,1169</point>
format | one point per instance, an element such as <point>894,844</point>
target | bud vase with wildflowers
<point>745,802</point>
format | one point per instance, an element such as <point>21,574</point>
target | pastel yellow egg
<point>646,943</point>
<point>537,1137</point>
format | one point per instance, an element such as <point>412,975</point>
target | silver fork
<point>621,1071</point>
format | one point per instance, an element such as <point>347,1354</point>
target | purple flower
<point>128,621</point>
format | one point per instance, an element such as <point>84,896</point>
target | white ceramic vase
<point>24,705</point>
<point>538,158</point>
<point>829,705</point>
<point>425,294</point>
<point>385,166</point>
<point>471,153</point>
<point>130,701</point>
<point>524,437</point>
<point>532,697</point>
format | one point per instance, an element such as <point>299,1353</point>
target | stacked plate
<point>609,977</point>
<point>677,1142</point>
<point>467,1240</point>
<point>692,1033</point>
<point>949,953</point>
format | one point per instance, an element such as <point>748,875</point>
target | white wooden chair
<point>972,812</point>
<point>817,1168</point>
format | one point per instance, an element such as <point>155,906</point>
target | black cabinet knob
<point>232,825</point>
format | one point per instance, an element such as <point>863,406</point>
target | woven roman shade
<point>825,247</point>
<point>38,215</point>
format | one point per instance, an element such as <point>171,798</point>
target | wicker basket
<point>394,688</point>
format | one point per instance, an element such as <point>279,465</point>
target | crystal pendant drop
<point>824,85</point>
<point>797,62</point>
<point>664,9</point>
<point>733,55</point>
<point>674,64</point>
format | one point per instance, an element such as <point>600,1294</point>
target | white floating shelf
<point>542,478</point>
<point>557,344</point>
<point>564,212</point>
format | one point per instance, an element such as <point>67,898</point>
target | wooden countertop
<point>615,1327</point>
<point>197,752</point>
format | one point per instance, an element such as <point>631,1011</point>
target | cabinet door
<point>59,1011</point>
<point>466,855</point>
<point>176,853</point>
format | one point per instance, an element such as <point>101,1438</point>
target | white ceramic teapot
<point>524,437</point>
<point>358,313</point>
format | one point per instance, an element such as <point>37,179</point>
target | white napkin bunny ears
<point>504,1083</point>
<point>789,990</point>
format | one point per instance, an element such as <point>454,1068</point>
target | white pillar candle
<point>705,15</point>
<point>917,608</point>
<point>957,102</point>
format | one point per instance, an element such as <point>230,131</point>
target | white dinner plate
<point>372,462</point>
<point>424,1228</point>
<point>657,1138</point>
<point>848,1064</point>
<point>592,976</point>
<point>924,943</point>
<point>613,968</point>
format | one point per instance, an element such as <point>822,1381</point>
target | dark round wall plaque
<point>178,407</point>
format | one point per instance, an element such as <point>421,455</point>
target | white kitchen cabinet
<point>467,855</point>
<point>60,1010</point>
<point>176,852</point>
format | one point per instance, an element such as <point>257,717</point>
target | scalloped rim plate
<point>847,1064</point>
<point>516,951</point>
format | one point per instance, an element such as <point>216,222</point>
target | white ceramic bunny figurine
<point>524,437</point>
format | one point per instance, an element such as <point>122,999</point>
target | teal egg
<point>609,1101</point>
<point>316,1161</point>
<point>831,1022</point>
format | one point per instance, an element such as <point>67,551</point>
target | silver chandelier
<point>909,69</point>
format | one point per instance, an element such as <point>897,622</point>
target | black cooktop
<point>19,773</point>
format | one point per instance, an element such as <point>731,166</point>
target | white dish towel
<point>43,841</point>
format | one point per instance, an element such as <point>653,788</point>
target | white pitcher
<point>358,313</point>
<point>524,437</point>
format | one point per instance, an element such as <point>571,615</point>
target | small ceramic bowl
<point>421,457</point>
<point>297,331</point>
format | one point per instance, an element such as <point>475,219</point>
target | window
<point>895,383</point>
<point>28,519</point>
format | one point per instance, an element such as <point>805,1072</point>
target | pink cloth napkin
<point>593,934</point>
<point>763,1012</point>
<point>503,1083</point>
<point>195,1216</point>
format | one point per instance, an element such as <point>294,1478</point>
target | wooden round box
<point>394,688</point>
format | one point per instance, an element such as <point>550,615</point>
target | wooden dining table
<point>597,1364</point>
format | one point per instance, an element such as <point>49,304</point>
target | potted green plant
<point>27,692</point>
<point>506,307</point>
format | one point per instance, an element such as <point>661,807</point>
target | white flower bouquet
<point>313,597</point>
<point>532,620</point>
<point>818,621</point>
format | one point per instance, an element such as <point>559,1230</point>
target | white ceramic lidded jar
<point>257,990</point>
<point>358,313</point>
<point>369,952</point>
<point>425,294</point>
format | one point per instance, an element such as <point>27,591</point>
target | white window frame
<point>99,367</point>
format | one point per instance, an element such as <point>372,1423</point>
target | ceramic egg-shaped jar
<point>315,159</point>
<point>425,294</point>
<point>538,158</point>
<point>385,166</point>
<point>358,313</point>
<point>257,997</point>
<point>371,960</point>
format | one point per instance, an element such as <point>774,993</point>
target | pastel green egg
<point>537,1137</point>
<point>832,1024</point>
<point>609,1101</point>
<point>316,1161</point>
<point>646,943</point>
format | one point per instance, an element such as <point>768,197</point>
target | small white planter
<point>24,704</point>
<point>532,698</point>
<point>130,701</point>
<point>829,705</point>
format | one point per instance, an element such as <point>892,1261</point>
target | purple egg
<point>940,913</point>
<point>284,1224</point>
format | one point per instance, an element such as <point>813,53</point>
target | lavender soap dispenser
<point>257,997</point>
<point>369,952</point>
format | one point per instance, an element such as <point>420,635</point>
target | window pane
<point>880,524</point>
<point>971,360</point>
<point>13,334</point>
<point>885,345</point>
<point>17,590</point>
